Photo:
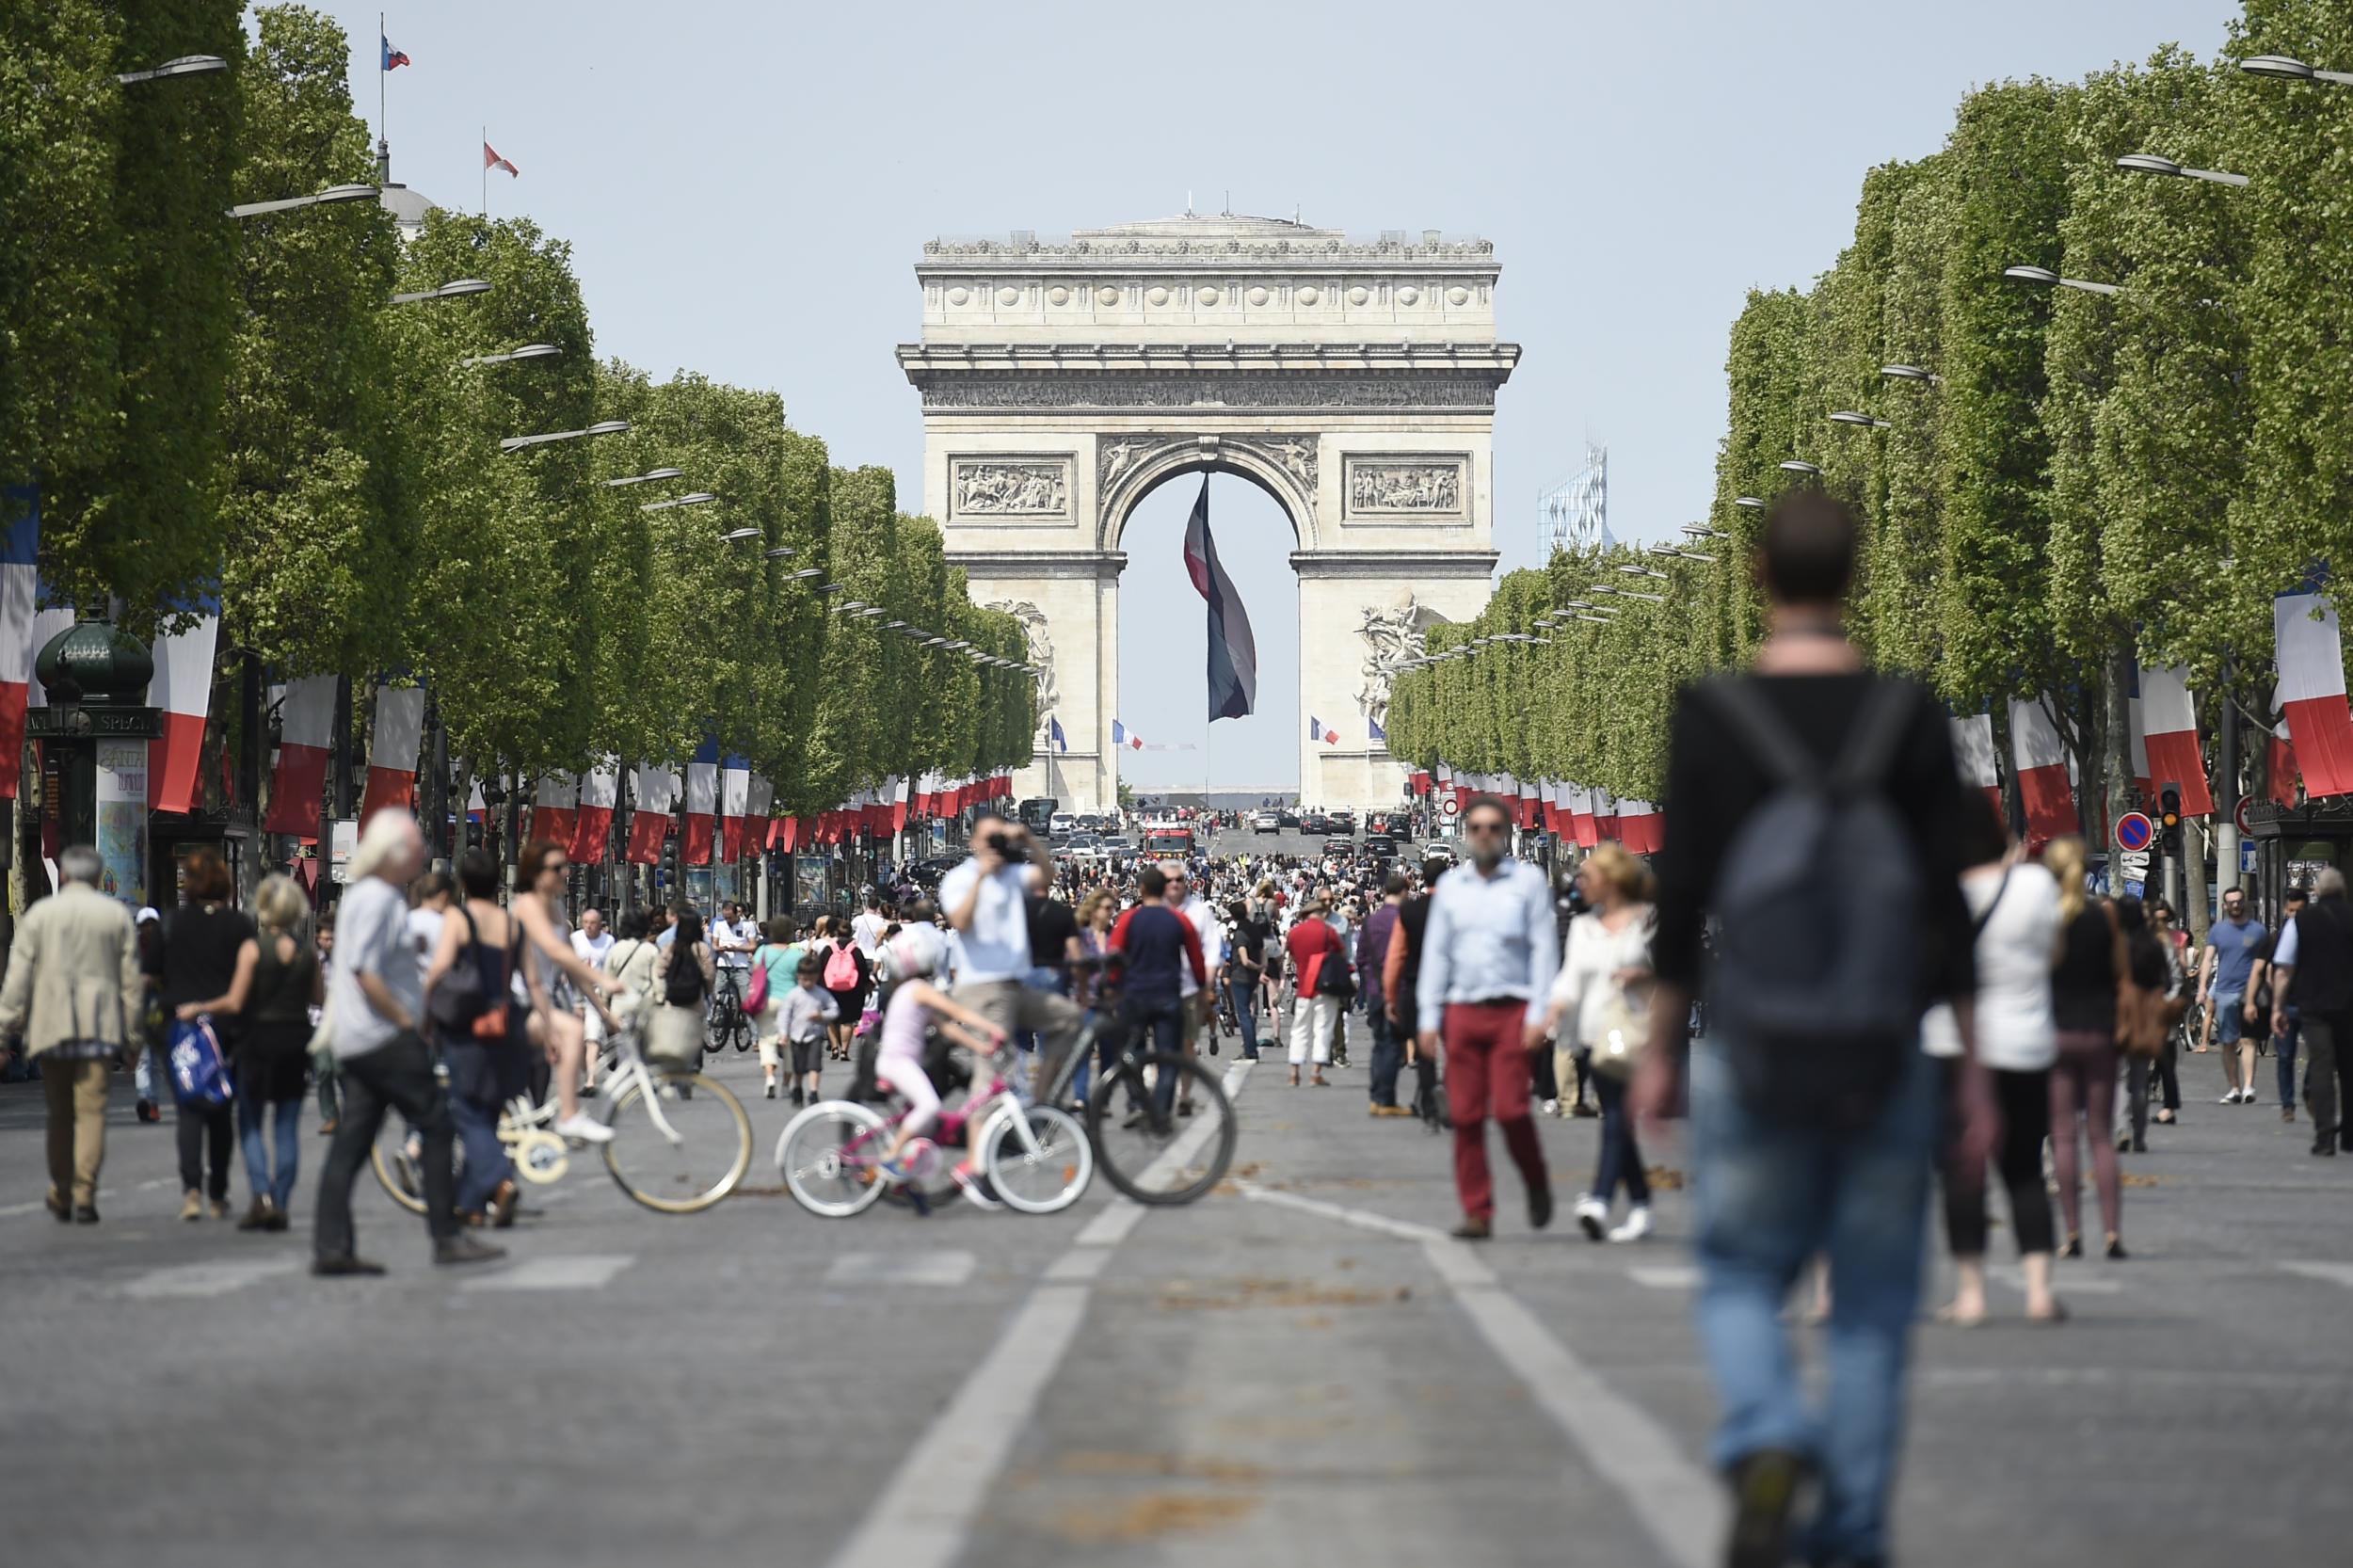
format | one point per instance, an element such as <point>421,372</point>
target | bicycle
<point>1176,1111</point>
<point>1036,1157</point>
<point>702,1153</point>
<point>727,1022</point>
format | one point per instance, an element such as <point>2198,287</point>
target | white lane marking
<point>890,1268</point>
<point>1677,1503</point>
<point>206,1279</point>
<point>2063,1281</point>
<point>922,1518</point>
<point>1665,1277</point>
<point>576,1272</point>
<point>2335,1273</point>
<point>1123,1213</point>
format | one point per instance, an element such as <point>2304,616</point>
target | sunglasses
<point>1484,827</point>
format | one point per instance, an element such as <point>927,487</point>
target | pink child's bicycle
<point>1036,1157</point>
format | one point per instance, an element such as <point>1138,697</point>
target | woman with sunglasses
<point>559,981</point>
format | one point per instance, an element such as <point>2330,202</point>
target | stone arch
<point>1292,485</point>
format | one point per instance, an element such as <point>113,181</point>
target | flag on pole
<point>600,786</point>
<point>392,742</point>
<point>1053,731</point>
<point>2136,735</point>
<point>2282,768</point>
<point>1373,729</point>
<point>1973,750</point>
<point>2042,763</point>
<point>1233,652</point>
<point>183,688</point>
<point>1581,825</point>
<point>555,809</point>
<point>1317,730</point>
<point>393,58</point>
<point>2170,719</point>
<point>1638,827</point>
<point>650,823</point>
<point>759,824</point>
<point>1123,736</point>
<point>20,590</point>
<point>490,160</point>
<point>735,798</point>
<point>306,724</point>
<point>702,802</point>
<point>2311,688</point>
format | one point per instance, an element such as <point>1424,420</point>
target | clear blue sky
<point>746,186</point>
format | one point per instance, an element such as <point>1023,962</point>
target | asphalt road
<point>1298,1370</point>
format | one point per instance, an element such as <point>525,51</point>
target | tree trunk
<point>2116,766</point>
<point>2193,911</point>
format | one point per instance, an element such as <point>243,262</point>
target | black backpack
<point>1815,989</point>
<point>682,985</point>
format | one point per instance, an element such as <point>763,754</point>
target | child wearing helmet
<point>909,959</point>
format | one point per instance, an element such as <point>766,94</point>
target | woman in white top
<point>2016,903</point>
<point>1601,992</point>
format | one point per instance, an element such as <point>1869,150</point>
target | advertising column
<point>122,819</point>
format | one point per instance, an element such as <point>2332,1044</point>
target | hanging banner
<point>123,820</point>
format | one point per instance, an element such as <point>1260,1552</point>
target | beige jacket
<point>73,973</point>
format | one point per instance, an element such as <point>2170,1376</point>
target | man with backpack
<point>1811,804</point>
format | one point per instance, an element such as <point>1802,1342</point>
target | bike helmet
<point>916,952</point>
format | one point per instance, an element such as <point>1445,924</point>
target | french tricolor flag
<point>297,791</point>
<point>1318,731</point>
<point>1607,826</point>
<point>2170,721</point>
<point>899,794</point>
<point>600,787</point>
<point>650,823</point>
<point>2136,735</point>
<point>1638,827</point>
<point>393,740</point>
<point>2041,761</point>
<point>183,688</point>
<point>1973,751</point>
<point>758,826</point>
<point>555,809</point>
<point>20,591</point>
<point>702,804</point>
<point>735,799</point>
<point>2282,767</point>
<point>2312,689</point>
<point>1581,824</point>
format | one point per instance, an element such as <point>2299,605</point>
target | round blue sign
<point>2134,831</point>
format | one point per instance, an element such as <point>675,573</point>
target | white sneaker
<point>1552,1108</point>
<point>577,1126</point>
<point>1636,1225</point>
<point>1592,1216</point>
<point>2230,1096</point>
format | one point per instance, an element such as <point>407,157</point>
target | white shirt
<point>2016,1031</point>
<point>720,935</point>
<point>592,951</point>
<point>1589,958</point>
<point>424,929</point>
<point>866,931</point>
<point>1490,938</point>
<point>997,946</point>
<point>1202,916</point>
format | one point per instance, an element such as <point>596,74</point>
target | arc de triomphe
<point>1352,381</point>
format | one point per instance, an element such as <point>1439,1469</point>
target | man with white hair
<point>376,999</point>
<point>2313,972</point>
<point>75,951</point>
<point>1187,900</point>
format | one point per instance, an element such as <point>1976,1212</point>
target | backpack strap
<point>1769,739</point>
<point>1878,729</point>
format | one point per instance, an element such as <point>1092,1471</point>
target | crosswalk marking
<point>2335,1273</point>
<point>2064,1281</point>
<point>891,1268</point>
<point>1664,1276</point>
<point>207,1279</point>
<point>576,1272</point>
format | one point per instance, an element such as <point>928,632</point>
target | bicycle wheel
<point>1048,1179</point>
<point>397,1165</point>
<point>703,1164</point>
<point>1156,1157</point>
<point>827,1155</point>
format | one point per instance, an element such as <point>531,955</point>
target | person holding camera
<point>985,899</point>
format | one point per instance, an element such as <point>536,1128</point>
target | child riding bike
<point>916,1005</point>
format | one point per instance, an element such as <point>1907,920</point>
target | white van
<point>1063,825</point>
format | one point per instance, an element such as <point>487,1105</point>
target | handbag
<point>461,1005</point>
<point>1624,1033</point>
<point>199,1073</point>
<point>756,995</point>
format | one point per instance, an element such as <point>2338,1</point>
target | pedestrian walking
<point>1372,951</point>
<point>1600,1000</point>
<point>1244,973</point>
<point>275,984</point>
<point>482,1039</point>
<point>780,957</point>
<point>1161,947</point>
<point>686,972</point>
<point>1811,803</point>
<point>2225,972</point>
<point>2313,973</point>
<point>2147,1007</point>
<point>197,963</point>
<point>2083,1084</point>
<point>1401,977</point>
<point>1312,946</point>
<point>1489,957</point>
<point>2263,992</point>
<point>2027,917</point>
<point>71,1003</point>
<point>376,998</point>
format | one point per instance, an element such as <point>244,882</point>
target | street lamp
<point>1701,531</point>
<point>1911,372</point>
<point>602,428</point>
<point>1798,464</point>
<point>849,604</point>
<point>1848,416</point>
<point>2045,276</point>
<point>528,351</point>
<point>737,535</point>
<point>1629,569</point>
<point>2149,163</point>
<point>454,289</point>
<point>647,477</point>
<point>187,65</point>
<point>2286,69</point>
<point>331,196</point>
<point>699,498</point>
<point>805,573</point>
<point>1751,502</point>
<point>780,551</point>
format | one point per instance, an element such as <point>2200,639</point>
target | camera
<point>1015,852</point>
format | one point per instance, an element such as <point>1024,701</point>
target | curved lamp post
<point>187,65</point>
<point>1911,372</point>
<point>699,498</point>
<point>602,428</point>
<point>2288,68</point>
<point>2149,163</point>
<point>457,288</point>
<point>2046,277</point>
<point>528,351</point>
<point>331,196</point>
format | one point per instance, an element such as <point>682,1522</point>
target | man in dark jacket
<point>1372,952</point>
<point>1401,994</point>
<point>2313,972</point>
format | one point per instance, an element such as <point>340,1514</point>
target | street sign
<point>1451,808</point>
<point>2134,831</point>
<point>2240,815</point>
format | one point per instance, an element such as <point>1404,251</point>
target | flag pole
<point>383,129</point>
<point>486,174</point>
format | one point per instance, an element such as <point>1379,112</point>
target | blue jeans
<point>1769,1196</point>
<point>1240,994</point>
<point>1165,1021</point>
<point>285,1132</point>
<point>1388,1055</point>
<point>2283,1048</point>
<point>1619,1158</point>
<point>486,1164</point>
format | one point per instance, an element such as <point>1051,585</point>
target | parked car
<point>1266,822</point>
<point>1314,821</point>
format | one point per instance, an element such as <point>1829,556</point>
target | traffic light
<point>2169,819</point>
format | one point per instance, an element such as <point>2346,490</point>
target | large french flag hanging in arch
<point>1233,652</point>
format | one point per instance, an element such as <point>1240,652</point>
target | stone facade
<point>1353,382</point>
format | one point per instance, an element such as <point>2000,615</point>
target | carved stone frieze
<point>1415,486</point>
<point>1288,389</point>
<point>1041,651</point>
<point>995,488</point>
<point>1294,454</point>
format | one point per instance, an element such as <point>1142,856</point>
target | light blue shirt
<point>1489,938</point>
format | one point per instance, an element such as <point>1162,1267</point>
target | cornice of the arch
<point>1130,466</point>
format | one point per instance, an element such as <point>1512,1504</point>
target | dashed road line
<point>572,1272</point>
<point>943,1268</point>
<point>2335,1273</point>
<point>221,1277</point>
